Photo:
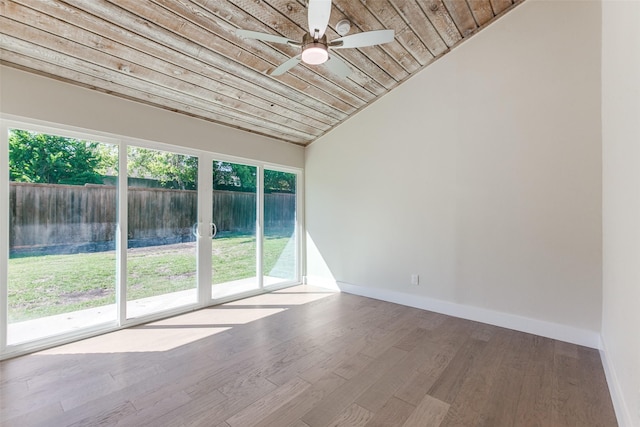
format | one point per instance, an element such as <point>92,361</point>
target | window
<point>280,227</point>
<point>62,230</point>
<point>99,232</point>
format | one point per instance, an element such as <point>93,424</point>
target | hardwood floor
<point>304,357</point>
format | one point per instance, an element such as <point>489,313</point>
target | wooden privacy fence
<point>52,218</point>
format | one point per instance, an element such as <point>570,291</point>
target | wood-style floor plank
<point>448,385</point>
<point>263,407</point>
<point>353,416</point>
<point>474,391</point>
<point>430,412</point>
<point>394,412</point>
<point>500,408</point>
<point>534,403</point>
<point>335,403</point>
<point>305,357</point>
<point>594,386</point>
<point>290,412</point>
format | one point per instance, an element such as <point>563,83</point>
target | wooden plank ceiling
<point>184,55</point>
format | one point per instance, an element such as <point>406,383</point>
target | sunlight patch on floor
<point>171,333</point>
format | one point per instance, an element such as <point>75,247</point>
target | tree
<point>108,159</point>
<point>42,158</point>
<point>279,182</point>
<point>234,177</point>
<point>170,169</point>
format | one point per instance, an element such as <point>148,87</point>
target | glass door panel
<point>162,212</point>
<point>280,238</point>
<point>62,230</point>
<point>234,215</point>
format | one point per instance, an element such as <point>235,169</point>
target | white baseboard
<point>511,321</point>
<point>617,397</point>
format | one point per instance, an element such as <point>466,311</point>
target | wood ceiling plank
<point>267,51</point>
<point>285,107</point>
<point>259,13</point>
<point>374,58</point>
<point>482,11</point>
<point>500,6</point>
<point>365,72</point>
<point>378,57</point>
<point>67,53</point>
<point>462,16</point>
<point>440,18</point>
<point>204,50</point>
<point>253,54</point>
<point>78,45</point>
<point>390,19</point>
<point>423,28</point>
<point>233,73</point>
<point>72,76</point>
<point>203,17</point>
<point>365,20</point>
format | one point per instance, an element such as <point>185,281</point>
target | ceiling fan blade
<point>368,38</point>
<point>337,66</point>
<point>318,17</point>
<point>286,66</point>
<point>265,37</point>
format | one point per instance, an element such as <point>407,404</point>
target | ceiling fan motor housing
<point>314,51</point>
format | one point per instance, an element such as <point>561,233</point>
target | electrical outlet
<point>415,279</point>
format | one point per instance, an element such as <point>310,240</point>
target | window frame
<point>205,186</point>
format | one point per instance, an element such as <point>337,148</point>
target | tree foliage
<point>234,177</point>
<point>50,159</point>
<point>170,169</point>
<point>279,182</point>
<point>42,158</point>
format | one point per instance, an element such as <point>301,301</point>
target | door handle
<point>195,230</point>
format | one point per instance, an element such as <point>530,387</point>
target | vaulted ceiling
<point>185,55</point>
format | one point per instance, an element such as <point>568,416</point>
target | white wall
<point>482,174</point>
<point>36,97</point>
<point>621,204</point>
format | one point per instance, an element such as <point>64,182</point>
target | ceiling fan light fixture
<point>314,50</point>
<point>315,54</point>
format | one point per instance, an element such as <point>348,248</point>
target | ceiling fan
<point>315,47</point>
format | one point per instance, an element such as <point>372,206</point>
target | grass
<point>54,284</point>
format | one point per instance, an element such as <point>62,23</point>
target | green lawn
<point>53,284</point>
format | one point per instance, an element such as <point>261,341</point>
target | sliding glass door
<point>280,245</point>
<point>98,233</point>
<point>162,210</point>
<point>234,245</point>
<point>256,232</point>
<point>62,228</point>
